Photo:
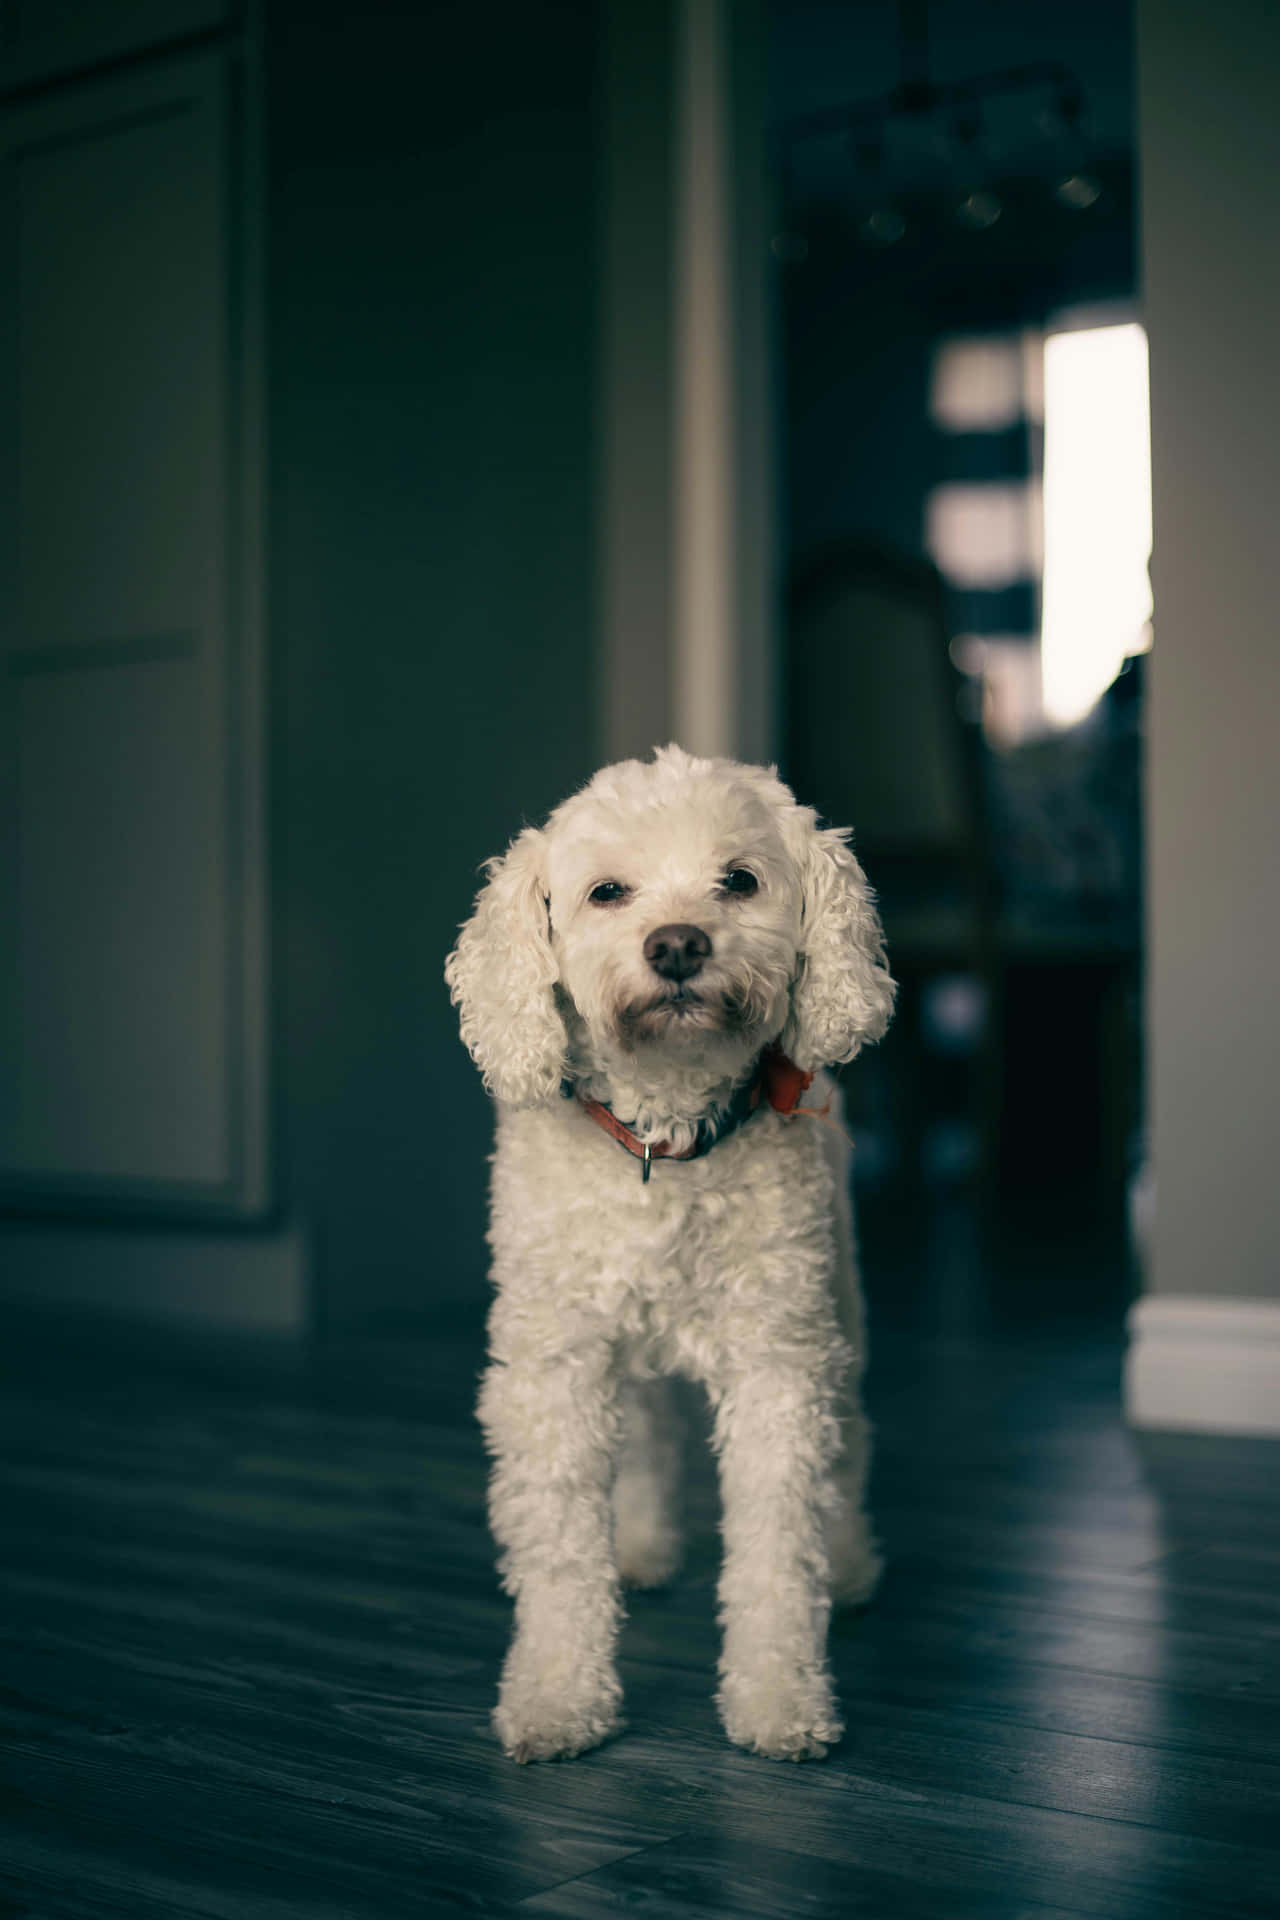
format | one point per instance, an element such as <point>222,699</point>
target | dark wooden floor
<point>250,1635</point>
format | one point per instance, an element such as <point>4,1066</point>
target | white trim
<point>704,599</point>
<point>685,567</point>
<point>635,411</point>
<point>1205,1365</point>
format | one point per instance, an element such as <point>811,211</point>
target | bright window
<point>1097,513</point>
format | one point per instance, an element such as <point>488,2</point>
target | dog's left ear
<point>843,994</point>
<point>502,976</point>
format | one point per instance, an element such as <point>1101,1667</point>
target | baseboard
<point>255,1281</point>
<point>1204,1365</point>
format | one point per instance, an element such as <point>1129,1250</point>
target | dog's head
<point>681,907</point>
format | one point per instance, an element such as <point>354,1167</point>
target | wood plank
<point>251,1631</point>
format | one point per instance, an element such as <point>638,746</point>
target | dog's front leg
<point>777,1436</point>
<point>552,1427</point>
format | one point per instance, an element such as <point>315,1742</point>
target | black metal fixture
<point>921,155</point>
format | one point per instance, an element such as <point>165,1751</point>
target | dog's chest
<point>669,1260</point>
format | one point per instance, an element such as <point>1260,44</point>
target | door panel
<point>121,276</point>
<point>121,976</point>
<point>132,870</point>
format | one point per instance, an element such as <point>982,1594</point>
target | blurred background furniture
<point>876,738</point>
<point>1008,887</point>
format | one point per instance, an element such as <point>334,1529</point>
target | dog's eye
<point>608,893</point>
<point>739,880</point>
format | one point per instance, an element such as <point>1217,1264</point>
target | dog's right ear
<point>502,976</point>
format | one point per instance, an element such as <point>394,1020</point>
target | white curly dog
<point>647,985</point>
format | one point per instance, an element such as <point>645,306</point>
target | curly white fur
<point>735,1269</point>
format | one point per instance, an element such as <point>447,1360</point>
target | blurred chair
<point>876,738</point>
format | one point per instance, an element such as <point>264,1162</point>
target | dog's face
<point>675,912</point>
<point>681,909</point>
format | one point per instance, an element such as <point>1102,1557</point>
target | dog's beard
<point>682,1012</point>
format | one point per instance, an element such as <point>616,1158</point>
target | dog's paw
<point>647,1560</point>
<point>856,1561</point>
<point>553,1730</point>
<point>854,1582</point>
<point>556,1715</point>
<point>784,1716</point>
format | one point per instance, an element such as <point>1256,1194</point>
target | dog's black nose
<point>677,952</point>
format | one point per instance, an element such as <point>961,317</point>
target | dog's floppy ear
<point>502,976</point>
<point>843,995</point>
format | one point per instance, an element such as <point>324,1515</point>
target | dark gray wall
<point>432,182</point>
<point>1211,205</point>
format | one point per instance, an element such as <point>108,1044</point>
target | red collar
<point>776,1079</point>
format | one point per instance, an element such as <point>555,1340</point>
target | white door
<point>131,848</point>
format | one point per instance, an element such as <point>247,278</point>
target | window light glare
<point>978,384</point>
<point>984,535</point>
<point>1097,513</point>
